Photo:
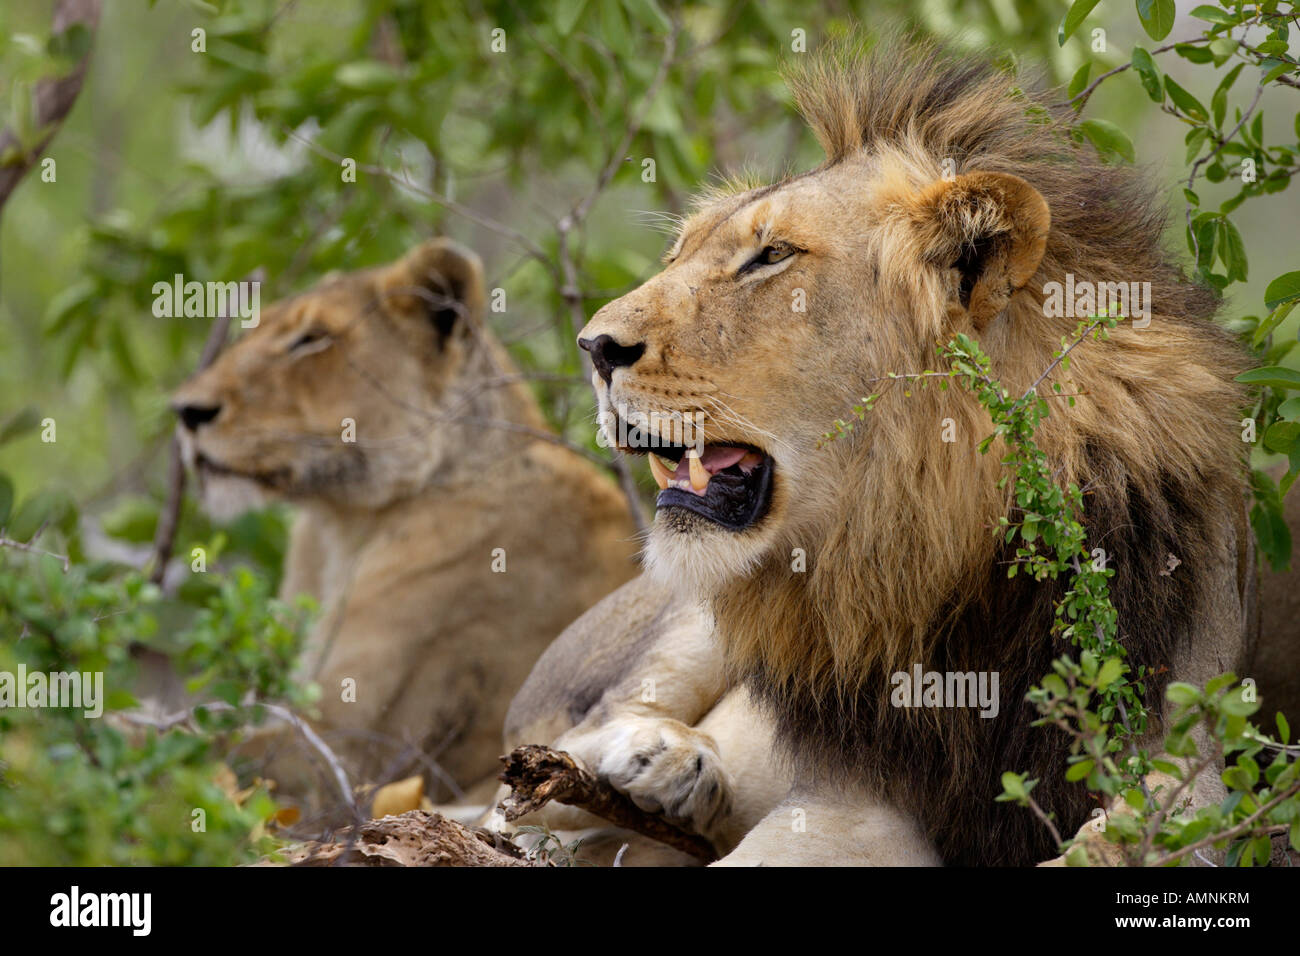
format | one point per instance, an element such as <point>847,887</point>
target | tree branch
<point>570,291</point>
<point>53,98</point>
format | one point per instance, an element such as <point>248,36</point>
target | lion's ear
<point>991,228</point>
<point>438,279</point>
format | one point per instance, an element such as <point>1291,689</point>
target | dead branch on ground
<point>537,775</point>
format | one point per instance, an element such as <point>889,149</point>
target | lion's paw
<point>666,767</point>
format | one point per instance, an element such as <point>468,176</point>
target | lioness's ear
<point>439,279</point>
<point>991,228</point>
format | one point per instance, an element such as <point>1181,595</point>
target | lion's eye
<point>318,338</point>
<point>768,256</point>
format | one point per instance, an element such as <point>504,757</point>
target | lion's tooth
<point>699,474</point>
<point>660,472</point>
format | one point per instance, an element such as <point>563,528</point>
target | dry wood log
<point>415,838</point>
<point>537,775</point>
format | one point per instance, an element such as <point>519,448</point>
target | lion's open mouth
<point>729,484</point>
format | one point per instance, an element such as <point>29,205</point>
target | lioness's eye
<point>769,255</point>
<point>317,337</point>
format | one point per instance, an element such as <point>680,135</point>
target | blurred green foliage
<point>90,791</point>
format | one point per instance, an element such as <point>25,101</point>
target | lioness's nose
<point>607,354</point>
<point>192,416</point>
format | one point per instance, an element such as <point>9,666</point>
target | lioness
<point>446,541</point>
<point>945,205</point>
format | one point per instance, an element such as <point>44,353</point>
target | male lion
<point>948,200</point>
<point>446,544</point>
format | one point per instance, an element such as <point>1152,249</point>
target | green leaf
<point>1250,768</point>
<point>1281,437</point>
<point>1222,48</point>
<point>1236,705</point>
<point>1263,850</point>
<point>6,499</point>
<point>1193,53</point>
<point>1273,376</point>
<point>1014,785</point>
<point>1167,767</point>
<point>1078,11</point>
<point>1285,288</point>
<point>1108,138</point>
<point>1157,17</point>
<point>1080,770</point>
<point>648,13</point>
<point>566,15</point>
<point>614,28</point>
<point>1109,673</point>
<point>1271,322</point>
<point>1232,251</point>
<point>367,76</point>
<point>1205,226</point>
<point>1185,101</point>
<point>1274,68</point>
<point>1149,73</point>
<point>1231,77</point>
<point>68,303</point>
<point>1079,82</point>
<point>21,422</point>
<point>1213,14</point>
<point>43,508</point>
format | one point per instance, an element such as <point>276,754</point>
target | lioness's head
<point>335,395</point>
<point>948,200</point>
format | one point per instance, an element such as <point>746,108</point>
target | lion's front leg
<point>825,828</point>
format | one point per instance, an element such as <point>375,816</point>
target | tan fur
<point>896,525</point>
<point>396,534</point>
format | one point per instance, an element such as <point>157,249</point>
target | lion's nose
<point>192,416</point>
<point>607,354</point>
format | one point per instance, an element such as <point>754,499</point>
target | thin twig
<point>7,542</point>
<point>331,759</point>
<point>1082,98</point>
<point>169,518</point>
<point>1047,821</point>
